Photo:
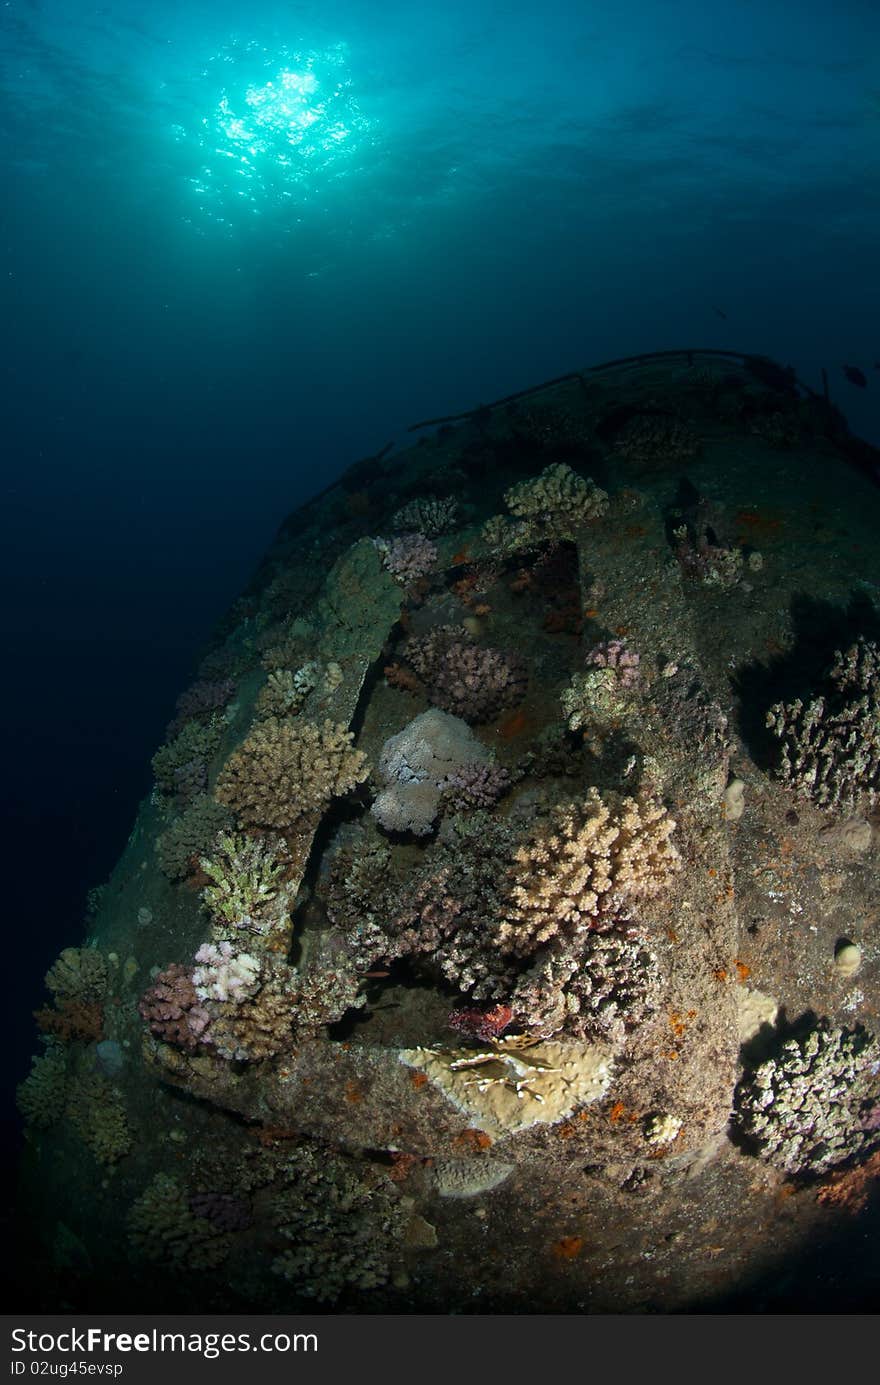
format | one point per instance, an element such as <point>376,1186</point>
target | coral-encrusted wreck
<point>475,912</point>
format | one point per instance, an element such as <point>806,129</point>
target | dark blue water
<point>243,246</point>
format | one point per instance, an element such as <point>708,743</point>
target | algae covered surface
<point>501,933</point>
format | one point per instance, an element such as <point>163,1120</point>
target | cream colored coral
<point>285,692</point>
<point>515,1083</point>
<point>285,771</point>
<point>558,496</point>
<point>662,1129</point>
<point>590,858</point>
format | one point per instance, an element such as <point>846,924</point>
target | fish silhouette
<point>855,376</point>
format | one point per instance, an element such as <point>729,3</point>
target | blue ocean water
<point>243,246</point>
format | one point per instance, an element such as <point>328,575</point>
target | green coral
<point>244,872</point>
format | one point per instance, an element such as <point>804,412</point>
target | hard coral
<point>203,698</point>
<point>604,984</point>
<point>427,515</point>
<point>558,500</point>
<point>97,1114</point>
<point>285,771</point>
<point>79,974</point>
<point>415,765</point>
<point>164,1229</point>
<point>172,1010</point>
<point>830,746</point>
<point>466,679</point>
<point>285,692</point>
<point>180,846</point>
<point>42,1096</point>
<point>802,1109</point>
<point>244,873</point>
<point>589,860</point>
<point>408,558</point>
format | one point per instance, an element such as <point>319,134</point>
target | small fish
<point>720,313</point>
<point>855,376</point>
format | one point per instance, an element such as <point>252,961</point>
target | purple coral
<point>408,557</point>
<point>468,680</point>
<point>615,654</point>
<point>475,785</point>
<point>172,1010</point>
<point>205,696</point>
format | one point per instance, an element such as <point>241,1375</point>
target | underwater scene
<point>442,465</point>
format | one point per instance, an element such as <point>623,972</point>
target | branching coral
<point>195,744</point>
<point>427,515</point>
<point>180,846</point>
<point>79,974</point>
<point>475,785</point>
<point>652,439</point>
<point>97,1114</point>
<point>408,558</point>
<point>244,873</point>
<point>559,500</point>
<point>261,1023</point>
<point>589,860</point>
<point>466,679</point>
<point>285,771</point>
<point>164,1229</point>
<point>222,973</point>
<point>830,746</point>
<point>803,1109</point>
<point>202,699</point>
<point>603,985</point>
<point>172,1009</point>
<point>343,1225</point>
<point>42,1096</point>
<point>286,692</point>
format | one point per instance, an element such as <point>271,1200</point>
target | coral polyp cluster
<point>284,771</point>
